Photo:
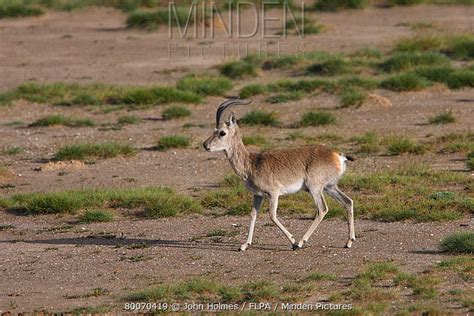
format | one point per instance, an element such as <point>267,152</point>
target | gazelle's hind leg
<point>338,195</point>
<point>322,211</point>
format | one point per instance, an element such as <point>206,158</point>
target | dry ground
<point>41,268</point>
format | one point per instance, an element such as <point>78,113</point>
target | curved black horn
<point>227,105</point>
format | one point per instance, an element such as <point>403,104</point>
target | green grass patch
<point>94,151</point>
<point>129,120</point>
<point>405,82</point>
<point>15,150</point>
<point>442,118</point>
<point>205,290</point>
<point>321,276</point>
<point>403,61</point>
<point>455,46</point>
<point>258,117</point>
<point>415,181</point>
<point>460,79</point>
<point>173,141</point>
<point>285,97</point>
<point>317,118</point>
<point>368,143</point>
<point>461,242</point>
<point>353,97</point>
<point>337,5</point>
<point>300,27</point>
<point>16,10</point>
<point>306,86</point>
<point>154,202</point>
<point>470,160</point>
<point>238,69</point>
<point>176,112</point>
<point>152,20</point>
<point>205,85</point>
<point>330,67</point>
<point>436,74</point>
<point>282,62</point>
<point>57,119</point>
<point>253,90</point>
<point>380,271</point>
<point>98,216</point>
<point>398,145</point>
<point>421,25</point>
<point>404,2</point>
<point>368,52</point>
<point>98,94</point>
<point>255,140</point>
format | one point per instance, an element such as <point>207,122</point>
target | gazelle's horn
<point>226,106</point>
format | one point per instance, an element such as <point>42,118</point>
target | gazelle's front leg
<point>273,217</point>
<point>257,203</point>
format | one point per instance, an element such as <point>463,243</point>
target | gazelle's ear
<point>232,120</point>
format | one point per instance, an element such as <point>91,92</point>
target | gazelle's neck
<point>239,157</point>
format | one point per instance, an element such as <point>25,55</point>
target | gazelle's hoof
<point>244,247</point>
<point>296,246</point>
<point>349,243</point>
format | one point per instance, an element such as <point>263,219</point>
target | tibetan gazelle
<point>269,174</point>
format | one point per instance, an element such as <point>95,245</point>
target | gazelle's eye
<point>222,134</point>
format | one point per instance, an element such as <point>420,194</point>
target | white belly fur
<point>292,188</point>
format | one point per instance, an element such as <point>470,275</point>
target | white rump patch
<point>343,160</point>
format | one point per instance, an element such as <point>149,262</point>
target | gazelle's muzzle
<point>207,143</point>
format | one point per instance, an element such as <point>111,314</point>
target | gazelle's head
<point>225,130</point>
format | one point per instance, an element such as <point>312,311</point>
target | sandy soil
<point>40,268</point>
<point>86,257</point>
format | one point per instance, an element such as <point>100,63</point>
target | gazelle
<point>270,174</point>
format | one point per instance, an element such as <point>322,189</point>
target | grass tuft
<point>352,96</point>
<point>404,2</point>
<point>461,242</point>
<point>155,202</point>
<point>98,94</point>
<point>205,84</point>
<point>442,118</point>
<point>337,5</point>
<point>151,20</point>
<point>98,216</point>
<point>176,112</point>
<point>97,151</point>
<point>252,90</point>
<point>402,145</point>
<point>320,276</point>
<point>368,143</point>
<point>13,151</point>
<point>239,69</point>
<point>174,141</point>
<point>285,97</point>
<point>129,120</point>
<point>15,10</point>
<point>57,119</point>
<point>255,140</point>
<point>331,67</point>
<point>470,160</point>
<point>403,61</point>
<point>257,117</point>
<point>405,82</point>
<point>317,118</point>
